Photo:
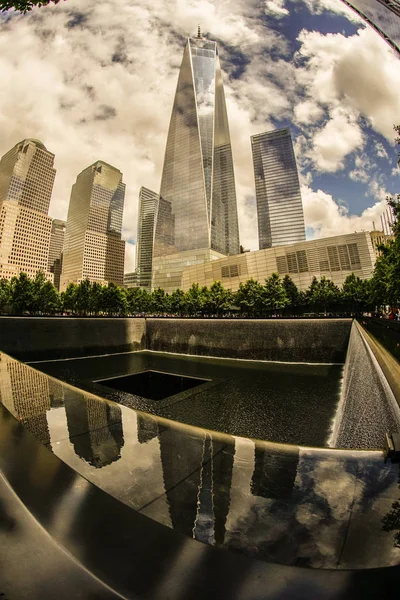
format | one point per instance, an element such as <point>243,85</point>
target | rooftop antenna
<point>198,32</point>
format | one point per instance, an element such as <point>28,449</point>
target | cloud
<point>324,217</point>
<point>96,80</point>
<point>276,8</point>
<point>332,143</point>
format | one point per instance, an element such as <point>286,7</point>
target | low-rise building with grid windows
<point>93,248</point>
<point>26,184</point>
<point>334,258</point>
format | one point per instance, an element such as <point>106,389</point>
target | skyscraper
<point>56,249</point>
<point>279,207</point>
<point>26,183</point>
<point>148,205</point>
<point>197,208</point>
<point>93,248</point>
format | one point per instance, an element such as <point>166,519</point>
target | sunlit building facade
<point>197,207</point>
<point>381,15</point>
<point>148,205</point>
<point>279,206</point>
<point>56,249</point>
<point>334,258</point>
<point>93,248</point>
<point>26,184</point>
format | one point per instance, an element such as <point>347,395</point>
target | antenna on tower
<point>198,32</point>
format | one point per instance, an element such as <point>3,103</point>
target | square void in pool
<point>153,385</point>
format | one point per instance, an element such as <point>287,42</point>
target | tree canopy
<point>24,6</point>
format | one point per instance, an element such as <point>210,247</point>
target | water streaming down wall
<point>367,408</point>
<point>286,340</point>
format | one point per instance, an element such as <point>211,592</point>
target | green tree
<point>292,293</point>
<point>82,297</point>
<point>176,302</point>
<point>68,298</point>
<point>159,301</point>
<point>218,299</point>
<point>195,299</point>
<point>50,299</point>
<point>138,300</point>
<point>323,294</point>
<point>355,293</point>
<point>113,300</point>
<point>96,298</point>
<point>250,298</point>
<point>5,294</point>
<point>24,6</point>
<point>21,293</point>
<point>37,285</point>
<point>275,297</point>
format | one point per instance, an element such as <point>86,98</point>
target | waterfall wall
<point>367,408</point>
<point>287,340</point>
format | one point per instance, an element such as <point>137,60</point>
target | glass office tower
<point>383,16</point>
<point>93,248</point>
<point>56,249</point>
<point>148,205</point>
<point>279,206</point>
<point>197,208</point>
<point>26,183</point>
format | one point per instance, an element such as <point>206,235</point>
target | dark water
<point>291,403</point>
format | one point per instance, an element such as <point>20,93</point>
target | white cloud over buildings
<point>96,80</point>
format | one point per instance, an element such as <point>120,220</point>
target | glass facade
<point>383,16</point>
<point>279,206</point>
<point>56,249</point>
<point>93,248</point>
<point>148,205</point>
<point>26,184</point>
<point>197,207</point>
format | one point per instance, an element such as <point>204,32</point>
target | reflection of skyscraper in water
<point>56,391</point>
<point>197,477</point>
<point>147,428</point>
<point>25,393</point>
<point>95,428</point>
<point>274,473</point>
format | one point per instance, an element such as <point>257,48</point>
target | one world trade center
<point>197,212</point>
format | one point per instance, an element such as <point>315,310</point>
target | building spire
<point>198,32</point>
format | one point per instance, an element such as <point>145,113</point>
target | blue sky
<point>96,80</point>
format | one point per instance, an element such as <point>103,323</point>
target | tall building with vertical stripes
<point>279,206</point>
<point>148,205</point>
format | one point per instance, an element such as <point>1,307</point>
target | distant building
<point>26,184</point>
<point>197,210</point>
<point>381,15</point>
<point>56,249</point>
<point>131,279</point>
<point>378,238</point>
<point>148,206</point>
<point>93,248</point>
<point>334,258</point>
<point>279,206</point>
<point>167,270</point>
